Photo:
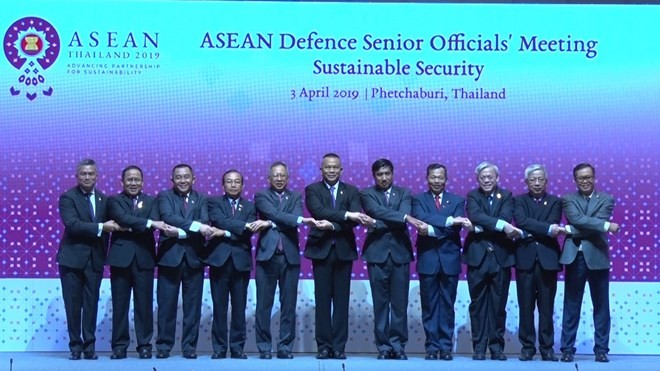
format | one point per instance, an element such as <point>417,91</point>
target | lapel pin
<point>341,192</point>
<point>139,205</point>
<point>499,196</point>
<point>545,203</point>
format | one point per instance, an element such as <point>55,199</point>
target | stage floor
<point>52,361</point>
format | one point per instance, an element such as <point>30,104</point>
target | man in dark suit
<point>388,253</point>
<point>586,256</point>
<point>438,260</point>
<point>538,215</point>
<point>278,260</point>
<point>81,257</point>
<point>331,245</point>
<point>230,262</point>
<point>132,259</point>
<point>489,255</point>
<point>180,262</point>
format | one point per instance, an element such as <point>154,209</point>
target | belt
<point>279,252</point>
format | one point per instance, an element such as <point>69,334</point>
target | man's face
<point>331,170</point>
<point>86,177</point>
<point>132,182</point>
<point>536,183</point>
<point>488,180</point>
<point>183,180</point>
<point>233,185</point>
<point>585,180</point>
<point>383,177</point>
<point>437,180</point>
<point>278,178</point>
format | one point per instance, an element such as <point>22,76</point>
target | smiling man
<point>179,262</point>
<point>489,255</point>
<point>81,257</point>
<point>586,256</point>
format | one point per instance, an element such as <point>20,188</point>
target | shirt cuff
<point>450,221</point>
<point>273,224</point>
<point>195,226</point>
<point>299,220</point>
<point>607,226</point>
<point>149,223</point>
<point>500,225</point>
<point>404,217</point>
<point>431,231</point>
<point>568,228</point>
<point>182,234</point>
<point>478,229</point>
<point>100,230</point>
<point>549,232</point>
<point>227,233</point>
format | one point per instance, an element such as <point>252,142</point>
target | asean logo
<point>31,45</point>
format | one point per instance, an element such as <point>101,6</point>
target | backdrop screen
<point>222,85</point>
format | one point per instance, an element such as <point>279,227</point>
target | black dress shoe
<point>219,355</point>
<point>498,356</point>
<point>445,355</point>
<point>190,355</point>
<point>118,355</point>
<point>479,356</point>
<point>338,355</point>
<point>384,354</point>
<point>400,355</point>
<point>567,357</point>
<point>90,355</point>
<point>238,355</point>
<point>323,354</point>
<point>162,354</point>
<point>75,356</point>
<point>430,356</point>
<point>265,355</point>
<point>145,354</point>
<point>526,356</point>
<point>283,354</point>
<point>549,357</point>
<point>602,357</point>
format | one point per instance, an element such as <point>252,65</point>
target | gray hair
<point>533,167</point>
<point>485,165</point>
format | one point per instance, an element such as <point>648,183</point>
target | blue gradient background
<point>218,109</point>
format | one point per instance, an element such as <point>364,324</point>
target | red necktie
<point>233,206</point>
<point>438,204</point>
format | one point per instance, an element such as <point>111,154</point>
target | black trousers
<point>536,287</point>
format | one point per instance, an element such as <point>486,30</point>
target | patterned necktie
<point>387,198</point>
<point>233,206</point>
<point>438,203</point>
<point>185,202</point>
<point>280,247</point>
<point>332,195</point>
<point>135,202</point>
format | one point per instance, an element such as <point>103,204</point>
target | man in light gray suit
<point>586,257</point>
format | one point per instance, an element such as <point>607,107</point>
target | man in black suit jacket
<point>586,256</point>
<point>538,215</point>
<point>81,257</point>
<point>489,254</point>
<point>388,253</point>
<point>132,259</point>
<point>230,262</point>
<point>438,260</point>
<point>331,245</point>
<point>180,262</point>
<point>278,260</point>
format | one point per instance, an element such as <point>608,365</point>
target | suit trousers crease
<point>270,274</point>
<point>577,275</point>
<point>227,283</point>
<point>488,284</point>
<point>139,282</point>
<point>437,296</point>
<point>80,292</point>
<point>191,282</point>
<point>332,286</point>
<point>390,283</point>
<point>536,287</point>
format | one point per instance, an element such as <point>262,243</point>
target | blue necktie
<point>332,195</point>
<point>89,203</point>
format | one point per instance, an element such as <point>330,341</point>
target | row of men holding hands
<point>198,231</point>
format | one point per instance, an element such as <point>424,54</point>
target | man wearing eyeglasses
<point>489,255</point>
<point>538,215</point>
<point>586,257</point>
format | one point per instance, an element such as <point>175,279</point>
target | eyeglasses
<point>279,176</point>
<point>535,180</point>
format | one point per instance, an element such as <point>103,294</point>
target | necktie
<point>135,202</point>
<point>332,195</point>
<point>438,204</point>
<point>185,202</point>
<point>280,247</point>
<point>90,204</point>
<point>233,206</point>
<point>490,202</point>
<point>387,198</point>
